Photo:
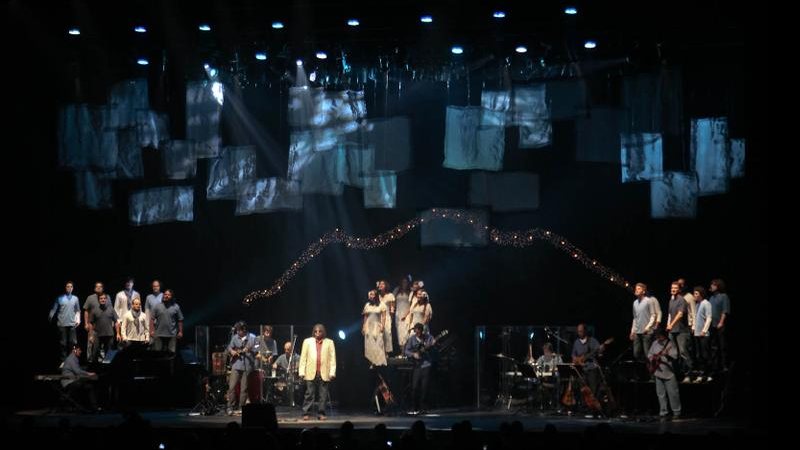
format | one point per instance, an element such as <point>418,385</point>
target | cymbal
<point>502,356</point>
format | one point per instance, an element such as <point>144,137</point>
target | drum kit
<point>264,385</point>
<point>523,383</point>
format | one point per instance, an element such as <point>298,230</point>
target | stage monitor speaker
<point>260,415</point>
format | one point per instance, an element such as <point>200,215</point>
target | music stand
<point>567,370</point>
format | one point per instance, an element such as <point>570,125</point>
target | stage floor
<point>441,419</point>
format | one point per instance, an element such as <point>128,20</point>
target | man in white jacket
<point>318,368</point>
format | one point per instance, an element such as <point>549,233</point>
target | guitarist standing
<point>242,363</point>
<point>415,348</point>
<point>585,351</point>
<point>661,355</point>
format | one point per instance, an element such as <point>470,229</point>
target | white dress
<point>388,300</point>
<point>419,314</point>
<point>402,305</point>
<point>373,337</point>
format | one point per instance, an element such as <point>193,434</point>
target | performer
<point>661,356</point>
<point>75,379</point>
<point>372,325</point>
<point>546,367</point>
<point>104,327</point>
<point>546,364</point>
<point>702,328</point>
<point>124,298</point>
<point>678,326</point>
<point>166,323</point>
<point>402,298</point>
<point>416,348</point>
<point>91,303</point>
<point>644,322</point>
<point>267,348</point>
<point>241,350</point>
<point>420,310</point>
<point>318,368</point>
<point>720,317</point>
<point>67,310</point>
<point>387,299</point>
<point>286,368</point>
<point>134,326</point>
<point>286,364</point>
<point>585,351</point>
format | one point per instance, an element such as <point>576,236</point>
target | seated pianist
<point>75,379</point>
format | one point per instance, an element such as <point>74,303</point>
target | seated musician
<point>75,379</point>
<point>286,361</point>
<point>546,364</point>
<point>284,374</point>
<point>546,369</point>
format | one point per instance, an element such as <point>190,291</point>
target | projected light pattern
<point>514,238</point>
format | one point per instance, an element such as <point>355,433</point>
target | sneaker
<point>698,380</point>
<point>686,379</point>
<point>709,379</point>
<point>229,412</point>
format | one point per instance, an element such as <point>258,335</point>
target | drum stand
<point>209,404</point>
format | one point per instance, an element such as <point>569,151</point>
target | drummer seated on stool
<point>286,365</point>
<point>546,370</point>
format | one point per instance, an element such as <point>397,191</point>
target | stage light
<point>499,15</point>
<point>457,50</point>
<point>480,335</point>
<point>571,10</point>
<point>353,22</point>
<point>342,335</point>
<point>322,55</point>
<point>74,32</point>
<point>426,19</point>
<point>142,62</point>
<point>299,62</point>
<point>211,71</point>
<point>277,25</point>
<point>521,49</point>
<point>204,27</point>
<point>261,56</point>
<point>590,44</point>
<point>218,91</point>
<point>140,29</point>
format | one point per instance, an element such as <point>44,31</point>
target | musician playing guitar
<point>585,350</point>
<point>241,349</point>
<point>415,348</point>
<point>661,356</point>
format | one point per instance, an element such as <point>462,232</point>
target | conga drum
<point>254,382</point>
<point>218,364</point>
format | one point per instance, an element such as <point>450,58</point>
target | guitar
<point>568,399</point>
<point>655,361</point>
<point>422,348</point>
<point>239,352</point>
<point>388,398</point>
<point>581,359</point>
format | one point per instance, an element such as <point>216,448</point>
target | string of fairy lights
<point>514,238</point>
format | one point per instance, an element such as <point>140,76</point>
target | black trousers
<point>419,387</point>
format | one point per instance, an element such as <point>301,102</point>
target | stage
<point>436,420</point>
